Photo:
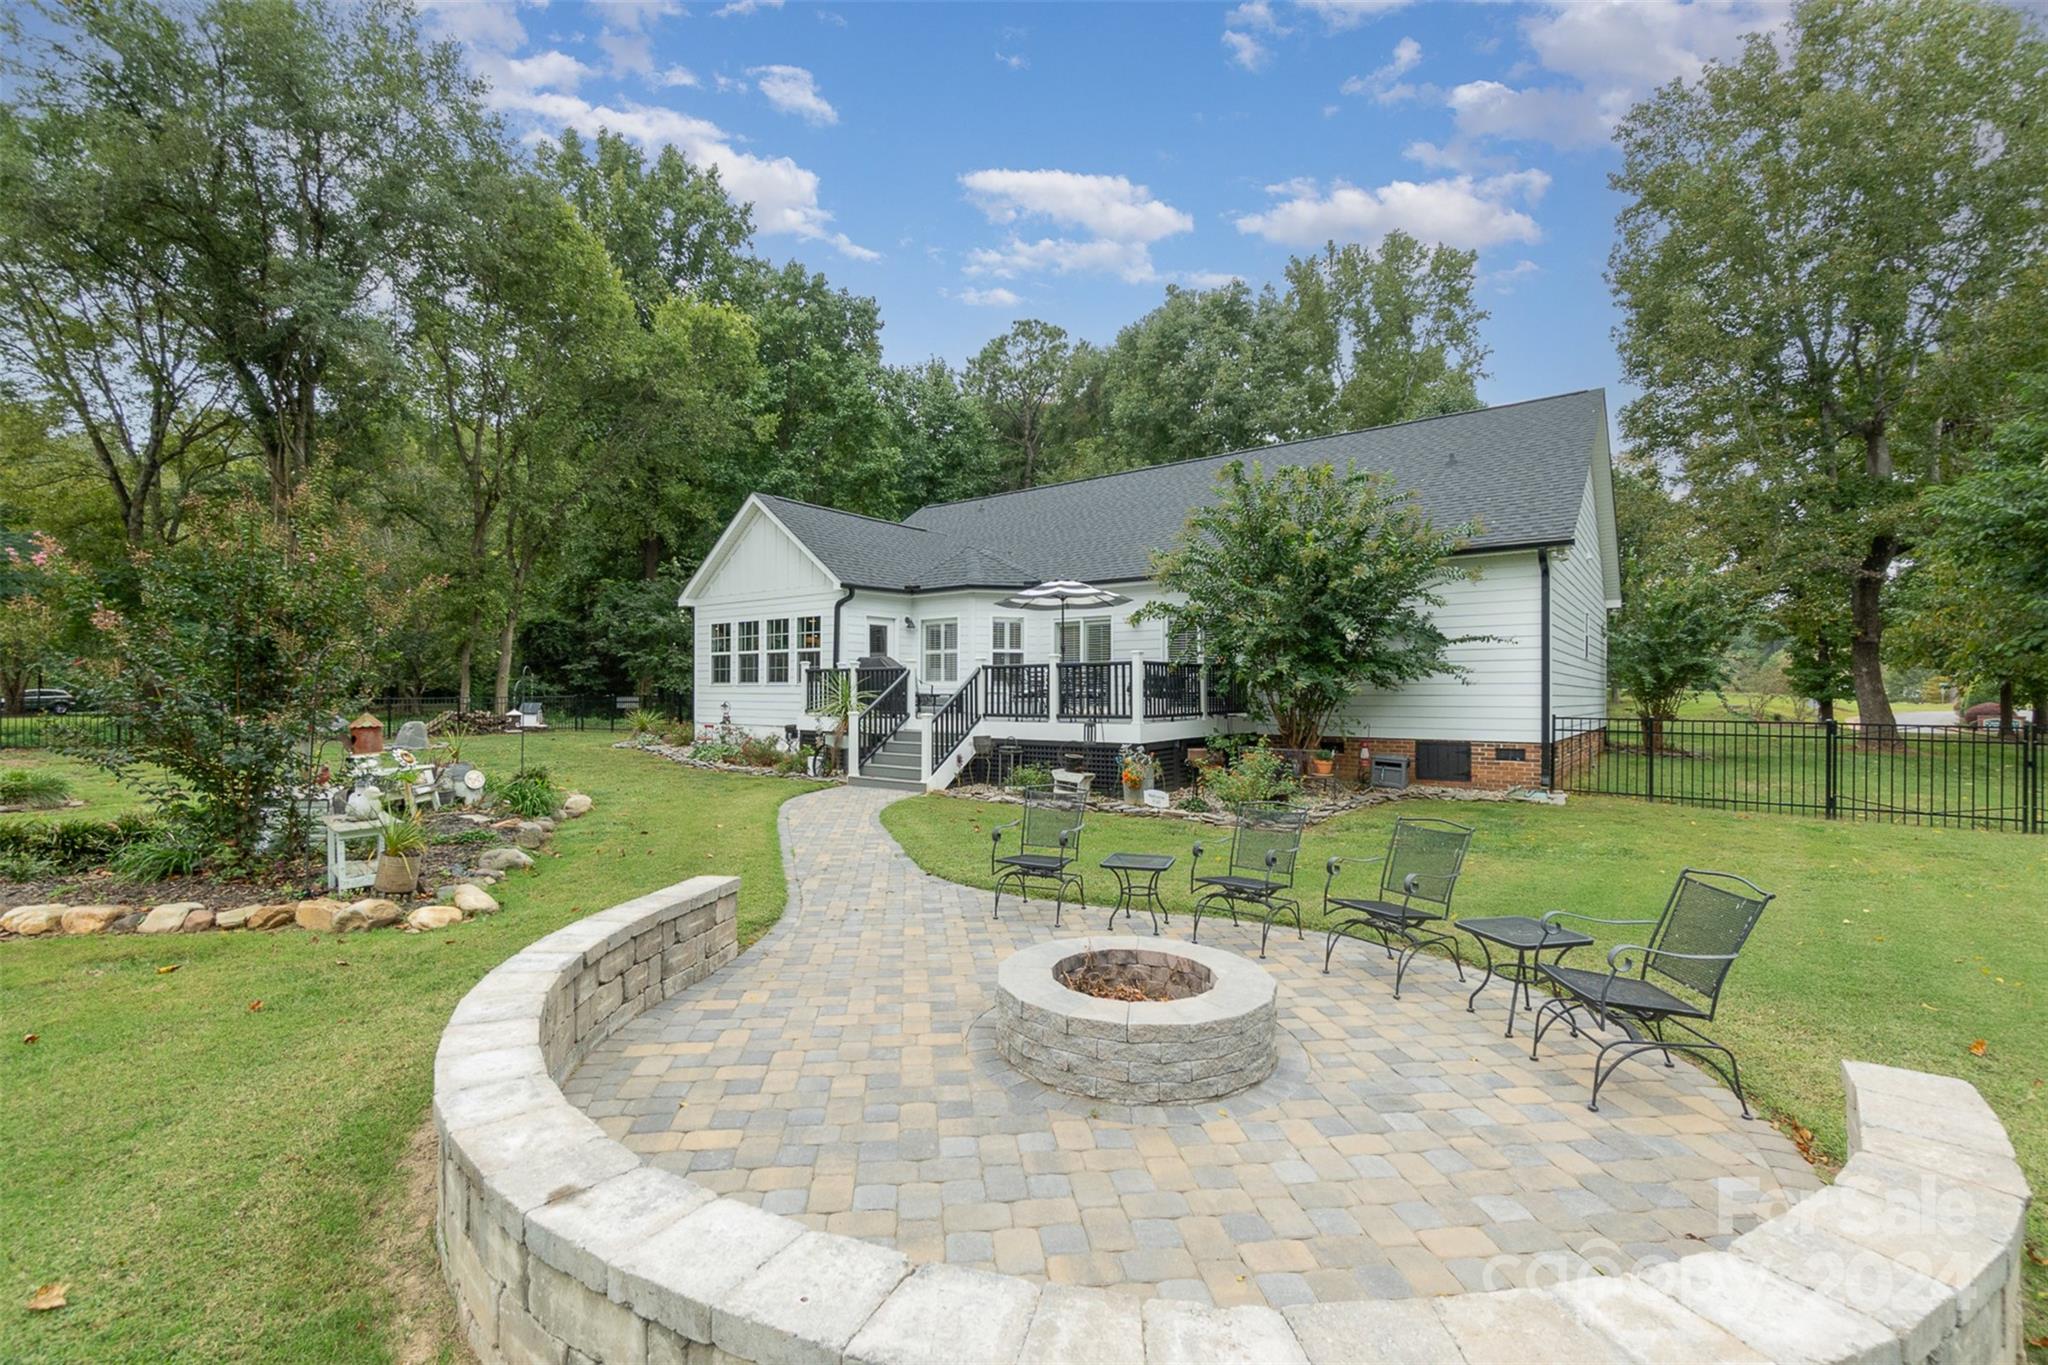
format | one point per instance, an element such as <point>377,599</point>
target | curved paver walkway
<point>841,1072</point>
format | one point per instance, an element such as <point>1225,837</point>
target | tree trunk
<point>2005,717</point>
<point>463,659</point>
<point>502,689</point>
<point>1866,665</point>
<point>1827,707</point>
<point>1653,733</point>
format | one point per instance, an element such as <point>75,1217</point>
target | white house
<point>791,590</point>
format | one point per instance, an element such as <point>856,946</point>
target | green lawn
<point>105,795</point>
<point>1887,943</point>
<point>219,1184</point>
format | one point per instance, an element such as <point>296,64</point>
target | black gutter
<point>836,608</point>
<point>1543,711</point>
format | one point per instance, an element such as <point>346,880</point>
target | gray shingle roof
<point>1518,471</point>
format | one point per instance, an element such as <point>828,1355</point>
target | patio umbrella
<point>1061,593</point>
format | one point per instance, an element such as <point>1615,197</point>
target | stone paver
<point>843,1072</point>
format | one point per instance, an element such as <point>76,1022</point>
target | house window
<point>1085,640</point>
<point>1443,760</point>
<point>721,652</point>
<point>1006,643</point>
<point>778,649</point>
<point>878,639</point>
<point>750,651</point>
<point>942,651</point>
<point>810,642</point>
<point>1182,645</point>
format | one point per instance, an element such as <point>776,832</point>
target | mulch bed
<point>298,880</point>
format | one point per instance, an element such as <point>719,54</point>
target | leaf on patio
<point>1977,1049</point>
<point>30,1037</point>
<point>255,1007</point>
<point>166,971</point>
<point>47,1297</point>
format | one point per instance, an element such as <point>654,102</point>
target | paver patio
<point>842,1072</point>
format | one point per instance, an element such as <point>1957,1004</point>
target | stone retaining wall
<point>561,1246</point>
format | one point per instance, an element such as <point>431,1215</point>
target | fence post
<point>1550,754</point>
<point>1651,734</point>
<point>1831,767</point>
<point>2030,776</point>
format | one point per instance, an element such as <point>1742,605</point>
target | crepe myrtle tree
<point>1307,584</point>
<point>1672,642</point>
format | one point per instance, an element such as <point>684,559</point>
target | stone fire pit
<point>1204,1029</point>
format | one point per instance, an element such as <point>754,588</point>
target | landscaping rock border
<point>677,753</point>
<point>1318,809</point>
<point>560,1244</point>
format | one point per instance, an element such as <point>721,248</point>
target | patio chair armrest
<point>1623,958</point>
<point>996,835</point>
<point>1552,916</point>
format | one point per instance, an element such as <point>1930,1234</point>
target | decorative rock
<point>546,823</point>
<point>270,916</point>
<point>167,919</point>
<point>376,913</point>
<point>318,915</point>
<point>487,878</point>
<point>474,900</point>
<point>96,919</point>
<point>31,921</point>
<point>127,924</point>
<point>198,922</point>
<point>433,917</point>
<point>529,834</point>
<point>575,804</point>
<point>236,918</point>
<point>52,909</point>
<point>504,860</point>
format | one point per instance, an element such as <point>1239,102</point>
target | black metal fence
<point>42,730</point>
<point>1911,774</point>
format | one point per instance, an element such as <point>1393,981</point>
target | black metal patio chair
<point>1048,847</point>
<point>1692,945</point>
<point>1418,876</point>
<point>1260,875</point>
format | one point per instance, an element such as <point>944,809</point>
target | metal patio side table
<point>1126,868</point>
<point>1529,939</point>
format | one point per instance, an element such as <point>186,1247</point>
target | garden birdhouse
<point>366,735</point>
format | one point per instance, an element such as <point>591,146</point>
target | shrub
<point>66,846</point>
<point>405,836</point>
<point>760,753</point>
<point>1259,774</point>
<point>176,849</point>
<point>41,791</point>
<point>1031,775</point>
<point>529,793</point>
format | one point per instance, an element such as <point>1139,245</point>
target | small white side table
<point>343,872</point>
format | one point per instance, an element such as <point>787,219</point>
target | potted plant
<point>839,701</point>
<point>398,863</point>
<point>1135,767</point>
<point>1322,763</point>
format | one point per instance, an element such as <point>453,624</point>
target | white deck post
<point>1202,672</point>
<point>924,750</point>
<point>1138,697</point>
<point>1052,688</point>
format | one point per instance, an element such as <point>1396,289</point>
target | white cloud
<point>1610,54</point>
<point>784,195</point>
<point>1208,279</point>
<point>1385,84</point>
<point>1338,15</point>
<point>1503,281</point>
<point>549,70</point>
<point>793,90</point>
<point>489,26</point>
<point>1462,211</point>
<point>1063,256</point>
<point>677,75</point>
<point>1246,51</point>
<point>832,17</point>
<point>1016,61</point>
<point>739,9</point>
<point>627,54</point>
<point>1107,205</point>
<point>1254,14</point>
<point>988,298</point>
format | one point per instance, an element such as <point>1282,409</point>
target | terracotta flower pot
<point>1322,767</point>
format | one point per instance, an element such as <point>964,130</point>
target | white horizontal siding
<point>762,575</point>
<point>1578,620</point>
<point>1500,695</point>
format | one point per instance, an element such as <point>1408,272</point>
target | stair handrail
<point>962,710</point>
<point>877,725</point>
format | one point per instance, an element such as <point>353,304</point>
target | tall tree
<point>1394,330</point>
<point>1807,224</point>
<point>1018,377</point>
<point>261,162</point>
<point>946,449</point>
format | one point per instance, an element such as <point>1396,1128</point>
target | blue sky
<point>970,164</point>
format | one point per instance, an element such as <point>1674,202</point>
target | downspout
<point>1543,706</point>
<point>845,597</point>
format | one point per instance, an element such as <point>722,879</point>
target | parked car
<point>55,700</point>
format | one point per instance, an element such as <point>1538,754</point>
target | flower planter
<point>1134,793</point>
<point>396,875</point>
<point>1321,767</point>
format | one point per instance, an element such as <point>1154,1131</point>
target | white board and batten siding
<point>1578,620</point>
<point>761,574</point>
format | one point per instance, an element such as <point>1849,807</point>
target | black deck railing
<point>1016,691</point>
<point>1095,691</point>
<point>885,715</point>
<point>1911,774</point>
<point>1172,691</point>
<point>956,717</point>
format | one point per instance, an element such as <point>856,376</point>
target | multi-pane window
<point>1181,644</point>
<point>942,651</point>
<point>1085,641</point>
<point>778,649</point>
<point>750,651</point>
<point>1006,645</point>
<point>810,642</point>
<point>721,652</point>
